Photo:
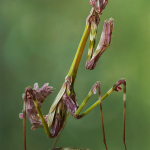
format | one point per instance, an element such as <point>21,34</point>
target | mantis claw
<point>104,43</point>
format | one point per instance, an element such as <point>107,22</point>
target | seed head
<point>39,94</point>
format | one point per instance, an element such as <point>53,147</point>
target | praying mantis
<point>66,101</point>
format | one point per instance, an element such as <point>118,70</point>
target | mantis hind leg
<point>93,91</point>
<point>117,88</point>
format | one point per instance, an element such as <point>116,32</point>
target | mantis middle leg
<point>117,88</point>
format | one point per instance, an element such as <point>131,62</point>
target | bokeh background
<point>38,41</point>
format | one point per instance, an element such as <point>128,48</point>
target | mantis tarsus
<point>66,98</point>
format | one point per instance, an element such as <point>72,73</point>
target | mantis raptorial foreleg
<point>104,43</point>
<point>91,28</point>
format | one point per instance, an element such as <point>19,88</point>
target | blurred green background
<point>38,41</point>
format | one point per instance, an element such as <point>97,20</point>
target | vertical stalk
<point>24,122</point>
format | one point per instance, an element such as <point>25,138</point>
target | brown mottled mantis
<point>66,98</point>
